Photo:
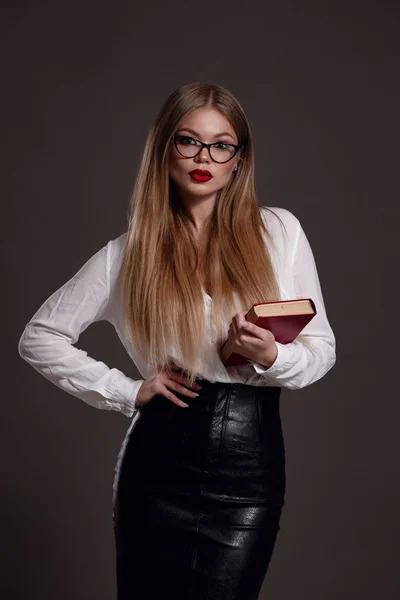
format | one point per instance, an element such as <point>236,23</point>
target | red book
<point>285,318</point>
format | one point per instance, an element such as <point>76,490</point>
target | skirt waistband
<point>236,385</point>
<point>238,396</point>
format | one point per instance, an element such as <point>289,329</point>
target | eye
<point>185,140</point>
<point>223,145</point>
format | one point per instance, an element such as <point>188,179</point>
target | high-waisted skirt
<point>198,494</point>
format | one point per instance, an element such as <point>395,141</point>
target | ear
<point>237,162</point>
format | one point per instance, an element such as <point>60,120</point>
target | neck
<point>199,210</point>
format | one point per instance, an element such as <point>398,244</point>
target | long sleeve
<point>47,340</point>
<point>304,361</point>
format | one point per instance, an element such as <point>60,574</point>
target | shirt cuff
<point>124,395</point>
<point>280,364</point>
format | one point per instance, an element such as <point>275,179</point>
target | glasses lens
<point>187,146</point>
<point>222,152</point>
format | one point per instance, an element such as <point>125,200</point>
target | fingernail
<point>184,404</point>
<point>194,394</point>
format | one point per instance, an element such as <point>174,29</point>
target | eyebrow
<point>215,136</point>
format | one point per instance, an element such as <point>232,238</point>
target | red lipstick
<point>200,175</point>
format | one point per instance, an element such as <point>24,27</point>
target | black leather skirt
<point>198,495</point>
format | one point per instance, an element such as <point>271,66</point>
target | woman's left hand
<point>251,341</point>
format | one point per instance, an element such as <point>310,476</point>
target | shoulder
<point>274,216</point>
<point>117,246</point>
<point>281,223</point>
<point>116,249</point>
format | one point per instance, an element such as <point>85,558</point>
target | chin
<point>200,189</point>
<point>203,193</point>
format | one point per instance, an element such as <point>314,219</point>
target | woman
<point>200,478</point>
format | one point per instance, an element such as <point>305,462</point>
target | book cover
<point>285,319</point>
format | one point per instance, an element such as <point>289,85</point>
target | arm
<point>313,353</point>
<point>47,340</point>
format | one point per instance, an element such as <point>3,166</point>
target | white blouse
<point>92,294</point>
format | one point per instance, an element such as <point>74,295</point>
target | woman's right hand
<point>162,384</point>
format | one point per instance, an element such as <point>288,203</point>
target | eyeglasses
<point>219,152</point>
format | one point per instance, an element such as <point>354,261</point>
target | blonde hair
<point>161,288</point>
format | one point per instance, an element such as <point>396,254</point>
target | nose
<point>203,156</point>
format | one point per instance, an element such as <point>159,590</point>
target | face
<point>207,125</point>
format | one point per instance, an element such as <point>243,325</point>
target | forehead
<point>207,122</point>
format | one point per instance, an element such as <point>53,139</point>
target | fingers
<point>239,318</point>
<point>235,329</point>
<point>177,388</point>
<point>174,381</point>
<point>242,331</point>
<point>181,379</point>
<point>181,389</point>
<point>170,396</point>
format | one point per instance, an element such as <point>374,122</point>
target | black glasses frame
<point>208,146</point>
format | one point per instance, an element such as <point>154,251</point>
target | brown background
<point>81,86</point>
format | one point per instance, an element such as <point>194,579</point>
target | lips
<point>200,175</point>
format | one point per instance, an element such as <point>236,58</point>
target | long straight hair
<point>161,288</point>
